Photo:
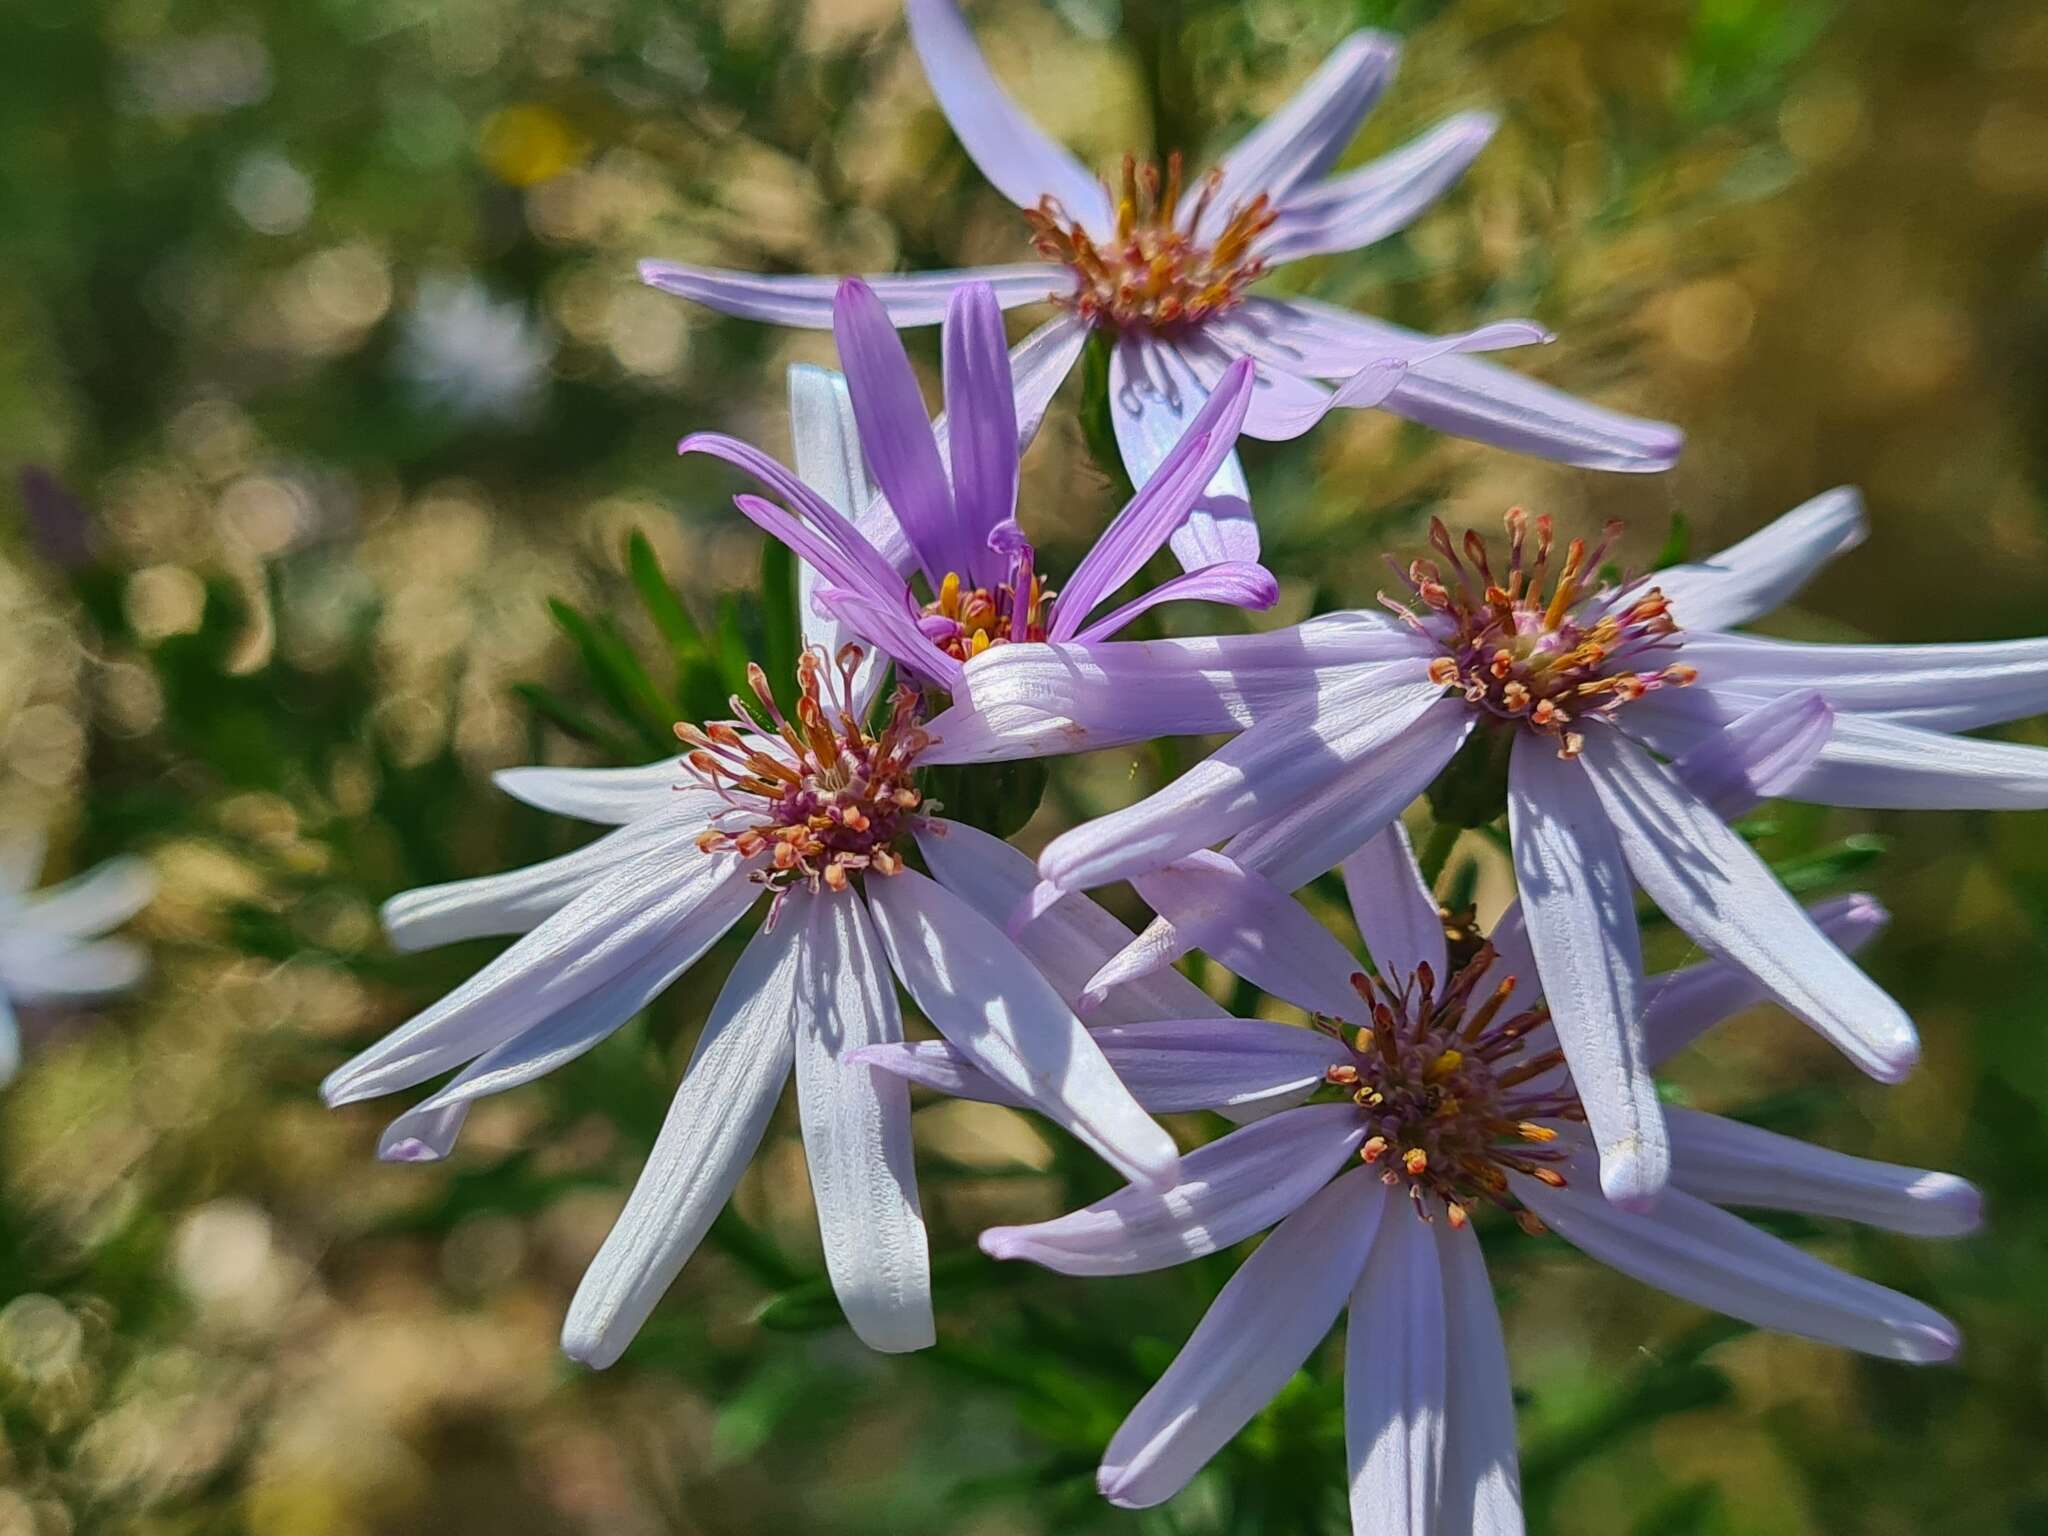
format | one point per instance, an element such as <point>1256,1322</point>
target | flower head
<point>52,953</point>
<point>983,586</point>
<point>814,810</point>
<point>1452,1099</point>
<point>1164,261</point>
<point>1637,727</point>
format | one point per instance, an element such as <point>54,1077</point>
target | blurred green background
<point>324,312</point>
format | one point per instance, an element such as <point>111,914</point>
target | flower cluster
<point>1609,727</point>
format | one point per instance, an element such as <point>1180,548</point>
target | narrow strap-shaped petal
<point>1685,1004</point>
<point>519,900</point>
<point>1360,207</point>
<point>825,441</point>
<point>1069,942</point>
<point>1154,396</point>
<point>1318,831</point>
<point>1160,506</point>
<point>1883,766</point>
<point>1284,403</point>
<point>1725,1162</point>
<point>1308,134</point>
<point>608,796</point>
<point>1263,772</point>
<point>1036,700</point>
<point>896,430</point>
<point>1397,1382</point>
<point>1240,583</point>
<point>852,560</point>
<point>96,902</point>
<point>714,1124</point>
<point>1945,687</point>
<point>1263,1325</point>
<point>1580,911</point>
<point>1718,1261</point>
<point>856,1126</point>
<point>654,902</point>
<point>1760,755</point>
<point>1170,1065</point>
<point>1482,1483</point>
<point>1471,398</point>
<point>982,994</point>
<point>533,1053</point>
<point>887,626</point>
<point>67,971</point>
<point>1396,912</point>
<point>1749,579</point>
<point>981,417</point>
<point>1254,929</point>
<point>1713,886</point>
<point>913,298</point>
<point>1011,150</point>
<point>1236,1185</point>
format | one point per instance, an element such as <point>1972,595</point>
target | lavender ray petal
<point>1702,1255</point>
<point>1361,207</point>
<point>1263,1324</point>
<point>1396,1383</point>
<point>826,444</point>
<point>1482,1484</point>
<point>914,298</point>
<point>1395,910</point>
<point>982,994</point>
<point>1011,150</point>
<point>981,413</point>
<point>608,796</point>
<point>1759,756</point>
<point>1715,888</point>
<point>1229,1189</point>
<point>1725,1162</point>
<point>714,1123</point>
<point>1749,579</point>
<point>1580,911</point>
<point>1154,395</point>
<point>856,1129</point>
<point>1308,134</point>
<point>1240,584</point>
<point>1942,687</point>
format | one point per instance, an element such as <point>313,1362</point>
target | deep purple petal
<point>1240,584</point>
<point>895,429</point>
<point>1161,505</point>
<point>981,419</point>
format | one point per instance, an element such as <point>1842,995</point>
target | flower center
<point>1154,274</point>
<point>1451,1102</point>
<point>822,797</point>
<point>1537,655</point>
<point>964,621</point>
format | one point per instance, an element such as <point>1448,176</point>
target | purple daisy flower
<point>960,530</point>
<point>812,814</point>
<point>1617,713</point>
<point>1443,1075</point>
<point>1164,263</point>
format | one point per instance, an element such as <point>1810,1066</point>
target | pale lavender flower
<point>471,355</point>
<point>1165,267</point>
<point>957,523</point>
<point>1612,768</point>
<point>609,927</point>
<point>52,953</point>
<point>1442,1074</point>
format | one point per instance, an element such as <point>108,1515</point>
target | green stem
<point>1436,853</point>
